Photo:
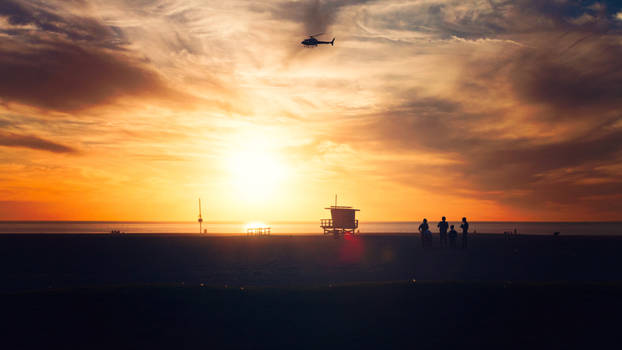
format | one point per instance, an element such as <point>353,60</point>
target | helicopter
<point>313,42</point>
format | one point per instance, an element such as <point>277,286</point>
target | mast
<point>200,218</point>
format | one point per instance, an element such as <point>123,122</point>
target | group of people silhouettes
<point>443,225</point>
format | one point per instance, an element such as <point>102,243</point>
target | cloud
<point>33,142</point>
<point>315,15</point>
<point>569,75</point>
<point>21,14</point>
<point>520,172</point>
<point>67,77</point>
<point>68,63</point>
<point>474,20</point>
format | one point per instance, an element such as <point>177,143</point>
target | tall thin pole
<point>335,199</point>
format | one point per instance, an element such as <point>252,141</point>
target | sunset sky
<point>133,109</point>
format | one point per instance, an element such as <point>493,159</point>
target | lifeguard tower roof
<point>341,207</point>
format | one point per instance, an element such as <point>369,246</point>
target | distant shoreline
<point>303,228</point>
<point>289,222</point>
<point>293,235</point>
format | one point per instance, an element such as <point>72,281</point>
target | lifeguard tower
<point>343,220</point>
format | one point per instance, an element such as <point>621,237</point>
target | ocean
<point>300,228</point>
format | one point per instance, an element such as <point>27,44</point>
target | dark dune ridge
<point>100,291</point>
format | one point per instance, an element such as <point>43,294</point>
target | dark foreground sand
<point>309,292</point>
<point>35,262</point>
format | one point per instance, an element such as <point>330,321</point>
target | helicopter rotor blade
<point>311,36</point>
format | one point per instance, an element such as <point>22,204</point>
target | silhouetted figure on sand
<point>453,235</point>
<point>424,230</point>
<point>465,231</point>
<point>442,230</point>
<point>510,234</point>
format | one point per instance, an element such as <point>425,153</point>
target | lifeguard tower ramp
<point>343,220</point>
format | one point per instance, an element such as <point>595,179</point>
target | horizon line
<point>288,221</point>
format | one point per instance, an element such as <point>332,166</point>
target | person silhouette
<point>442,230</point>
<point>423,230</point>
<point>452,236</point>
<point>465,231</point>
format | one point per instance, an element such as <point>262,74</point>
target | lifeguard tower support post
<point>343,220</point>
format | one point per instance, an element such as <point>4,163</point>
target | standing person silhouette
<point>465,231</point>
<point>442,230</point>
<point>423,230</point>
<point>452,236</point>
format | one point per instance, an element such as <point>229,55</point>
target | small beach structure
<point>343,220</point>
<point>257,229</point>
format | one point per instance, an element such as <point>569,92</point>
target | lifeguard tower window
<point>343,220</point>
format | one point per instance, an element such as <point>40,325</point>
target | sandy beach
<point>36,262</point>
<point>366,292</point>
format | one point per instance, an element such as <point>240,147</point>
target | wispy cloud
<point>315,15</point>
<point>33,142</point>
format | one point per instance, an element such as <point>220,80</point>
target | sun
<point>256,173</point>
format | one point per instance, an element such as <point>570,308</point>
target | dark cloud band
<point>67,63</point>
<point>33,142</point>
